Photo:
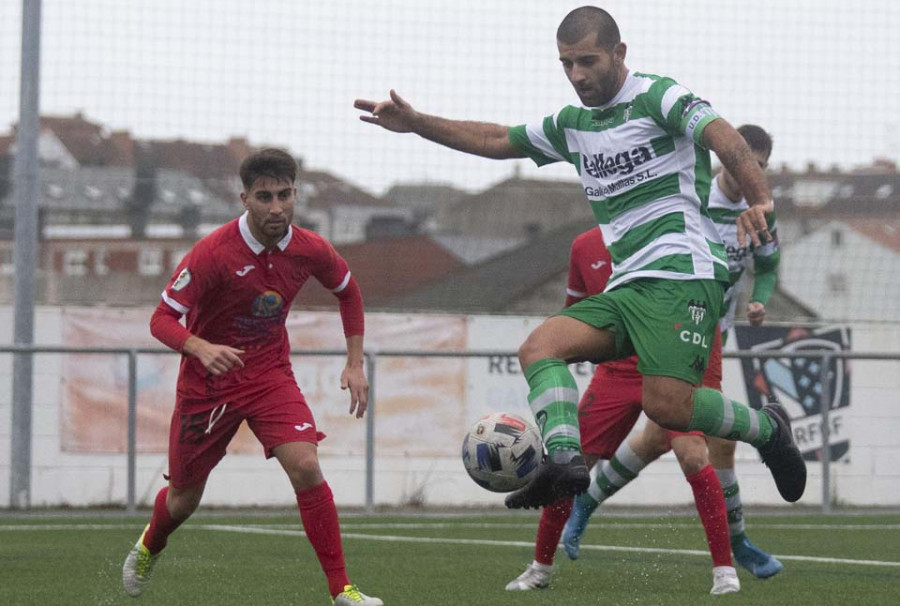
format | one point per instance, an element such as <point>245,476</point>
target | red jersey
<point>234,292</point>
<point>590,266</point>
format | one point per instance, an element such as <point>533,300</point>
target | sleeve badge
<point>183,279</point>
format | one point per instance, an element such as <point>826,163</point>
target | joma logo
<point>624,163</point>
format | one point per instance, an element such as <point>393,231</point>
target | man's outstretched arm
<point>479,138</point>
<point>736,156</point>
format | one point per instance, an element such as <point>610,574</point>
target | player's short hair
<point>757,138</point>
<point>272,163</point>
<point>587,20</point>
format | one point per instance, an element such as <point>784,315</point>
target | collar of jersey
<point>624,92</point>
<point>253,243</point>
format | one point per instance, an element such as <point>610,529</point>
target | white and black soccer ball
<point>502,451</point>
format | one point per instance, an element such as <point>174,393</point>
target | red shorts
<point>200,432</point>
<point>608,411</point>
<point>712,378</point>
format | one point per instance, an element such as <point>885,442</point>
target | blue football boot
<point>582,509</point>
<point>759,563</point>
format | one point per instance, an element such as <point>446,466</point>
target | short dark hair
<point>271,162</point>
<point>587,20</point>
<point>757,138</point>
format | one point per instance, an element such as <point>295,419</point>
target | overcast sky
<point>822,75</point>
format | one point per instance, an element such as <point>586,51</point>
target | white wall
<point>871,478</point>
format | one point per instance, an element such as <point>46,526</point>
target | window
<point>176,256</point>
<point>93,193</point>
<point>7,266</point>
<point>150,262</point>
<point>884,191</point>
<point>101,262</point>
<point>75,262</point>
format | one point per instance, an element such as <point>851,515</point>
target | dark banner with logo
<point>797,384</point>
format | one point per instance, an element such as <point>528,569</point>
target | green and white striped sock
<point>554,402</point>
<point>718,416</point>
<point>615,473</point>
<point>728,479</point>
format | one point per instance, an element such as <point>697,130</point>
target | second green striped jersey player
<point>726,203</point>
<point>640,144</point>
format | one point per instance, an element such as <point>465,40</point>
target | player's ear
<point>244,200</point>
<point>619,52</point>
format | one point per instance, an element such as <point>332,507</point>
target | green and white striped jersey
<point>724,214</point>
<point>645,174</point>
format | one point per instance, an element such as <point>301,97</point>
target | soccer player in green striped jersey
<point>640,144</point>
<point>726,202</point>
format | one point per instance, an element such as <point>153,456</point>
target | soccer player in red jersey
<point>607,412</point>
<point>235,287</point>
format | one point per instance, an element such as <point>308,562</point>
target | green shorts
<point>669,324</point>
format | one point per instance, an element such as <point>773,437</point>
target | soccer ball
<point>502,452</point>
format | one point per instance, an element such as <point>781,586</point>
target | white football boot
<point>352,596</point>
<point>536,576</point>
<point>138,567</point>
<point>725,580</point>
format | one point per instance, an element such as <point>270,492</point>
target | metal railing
<point>371,356</point>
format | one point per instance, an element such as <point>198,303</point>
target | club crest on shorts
<point>697,309</point>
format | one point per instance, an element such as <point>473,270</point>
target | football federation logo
<point>697,309</point>
<point>798,384</point>
<point>267,305</point>
<point>183,279</point>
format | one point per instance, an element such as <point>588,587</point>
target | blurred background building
<point>117,213</point>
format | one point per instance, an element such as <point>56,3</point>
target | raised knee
<point>662,414</point>
<point>529,352</point>
<point>669,410</point>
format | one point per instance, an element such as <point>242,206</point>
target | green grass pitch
<point>453,559</point>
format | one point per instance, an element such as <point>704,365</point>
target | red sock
<point>553,520</point>
<point>710,503</point>
<point>320,521</point>
<point>161,524</point>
